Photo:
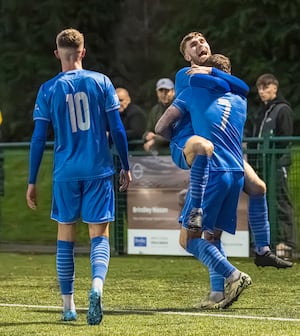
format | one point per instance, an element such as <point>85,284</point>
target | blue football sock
<point>65,266</point>
<point>100,255</point>
<point>210,256</point>
<point>198,179</point>
<point>259,221</point>
<point>217,281</point>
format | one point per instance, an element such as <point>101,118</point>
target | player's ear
<point>187,57</point>
<point>56,53</point>
<point>83,53</point>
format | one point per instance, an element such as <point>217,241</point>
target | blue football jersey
<point>217,115</point>
<point>182,80</point>
<point>77,102</point>
<point>183,128</point>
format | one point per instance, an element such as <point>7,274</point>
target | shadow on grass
<point>152,311</point>
<point>15,324</point>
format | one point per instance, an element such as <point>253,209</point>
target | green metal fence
<point>20,225</point>
<point>263,155</point>
<point>272,158</point>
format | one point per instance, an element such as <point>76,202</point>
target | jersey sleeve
<point>182,80</point>
<point>112,101</point>
<point>115,126</point>
<point>181,102</point>
<point>41,109</point>
<point>118,136</point>
<point>37,145</point>
<point>236,84</point>
<point>212,83</point>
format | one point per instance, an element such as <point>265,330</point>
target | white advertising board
<point>154,201</point>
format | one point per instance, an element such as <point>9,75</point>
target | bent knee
<point>200,146</point>
<point>255,187</point>
<point>203,147</point>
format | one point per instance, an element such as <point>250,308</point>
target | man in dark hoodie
<point>275,117</point>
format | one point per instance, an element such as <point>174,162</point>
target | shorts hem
<point>103,221</point>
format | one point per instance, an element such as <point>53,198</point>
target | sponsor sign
<point>154,202</point>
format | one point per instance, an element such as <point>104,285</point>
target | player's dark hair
<point>267,79</point>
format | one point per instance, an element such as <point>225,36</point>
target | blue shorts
<point>177,154</point>
<point>220,202</point>
<point>93,201</point>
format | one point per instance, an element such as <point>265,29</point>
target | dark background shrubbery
<point>135,42</point>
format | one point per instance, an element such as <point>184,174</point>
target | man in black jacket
<point>132,116</point>
<point>165,94</point>
<point>275,117</point>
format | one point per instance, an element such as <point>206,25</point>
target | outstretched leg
<point>259,221</point>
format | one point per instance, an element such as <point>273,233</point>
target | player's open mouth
<point>203,53</point>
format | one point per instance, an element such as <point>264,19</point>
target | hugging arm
<point>167,121</point>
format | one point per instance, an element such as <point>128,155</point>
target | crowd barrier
<point>264,154</point>
<point>151,204</point>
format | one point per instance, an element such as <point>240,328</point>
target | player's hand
<point>150,136</point>
<point>148,145</point>
<point>31,196</point>
<point>199,69</point>
<point>125,179</point>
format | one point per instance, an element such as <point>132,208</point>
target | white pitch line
<point>128,311</point>
<point>266,318</point>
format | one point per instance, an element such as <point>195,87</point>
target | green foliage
<point>145,296</point>
<point>28,39</point>
<point>136,42</point>
<point>258,36</point>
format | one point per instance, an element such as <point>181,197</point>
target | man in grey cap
<point>165,95</point>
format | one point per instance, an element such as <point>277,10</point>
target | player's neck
<point>68,66</point>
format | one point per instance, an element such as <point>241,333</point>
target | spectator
<point>275,117</point>
<point>132,116</point>
<point>165,95</point>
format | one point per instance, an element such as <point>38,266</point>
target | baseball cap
<point>164,83</point>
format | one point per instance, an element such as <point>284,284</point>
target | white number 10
<point>79,111</point>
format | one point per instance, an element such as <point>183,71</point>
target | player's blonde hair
<point>70,38</point>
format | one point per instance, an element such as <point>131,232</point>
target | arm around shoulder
<point>165,124</point>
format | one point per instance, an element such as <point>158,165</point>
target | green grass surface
<point>146,295</point>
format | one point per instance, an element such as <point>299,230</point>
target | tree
<point>28,39</point>
<point>136,42</point>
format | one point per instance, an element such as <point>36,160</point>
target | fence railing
<point>20,225</point>
<point>267,156</point>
